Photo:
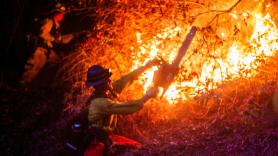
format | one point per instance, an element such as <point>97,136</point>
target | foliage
<point>226,119</point>
<point>237,118</point>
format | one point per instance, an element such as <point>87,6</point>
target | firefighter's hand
<point>154,62</point>
<point>67,38</point>
<point>150,93</point>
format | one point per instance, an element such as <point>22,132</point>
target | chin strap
<point>112,92</point>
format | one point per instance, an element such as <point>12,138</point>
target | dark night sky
<point>18,16</point>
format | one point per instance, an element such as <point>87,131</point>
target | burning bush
<point>230,56</point>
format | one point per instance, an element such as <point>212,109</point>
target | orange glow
<point>238,58</point>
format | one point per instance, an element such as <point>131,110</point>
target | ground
<point>240,124</point>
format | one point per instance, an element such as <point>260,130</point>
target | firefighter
<point>44,50</point>
<point>103,106</point>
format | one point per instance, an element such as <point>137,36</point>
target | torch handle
<point>185,45</point>
<point>164,76</point>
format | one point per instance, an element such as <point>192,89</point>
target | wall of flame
<point>232,46</point>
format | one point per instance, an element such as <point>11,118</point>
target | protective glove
<point>150,93</point>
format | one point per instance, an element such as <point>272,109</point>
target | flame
<point>240,59</point>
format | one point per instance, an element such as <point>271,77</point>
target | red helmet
<point>59,12</point>
<point>59,17</point>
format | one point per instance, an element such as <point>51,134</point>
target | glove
<point>151,92</point>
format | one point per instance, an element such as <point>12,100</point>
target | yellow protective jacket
<point>103,111</point>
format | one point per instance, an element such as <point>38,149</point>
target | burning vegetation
<point>234,38</point>
<point>223,100</point>
<point>225,83</point>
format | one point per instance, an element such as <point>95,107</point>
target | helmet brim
<point>100,82</point>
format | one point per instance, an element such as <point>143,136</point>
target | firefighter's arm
<point>124,107</point>
<point>45,31</point>
<point>107,106</point>
<point>67,38</point>
<point>131,106</point>
<point>126,80</point>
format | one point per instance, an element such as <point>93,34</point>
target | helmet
<point>59,8</point>
<point>97,75</point>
